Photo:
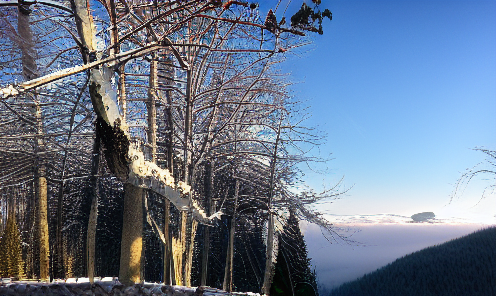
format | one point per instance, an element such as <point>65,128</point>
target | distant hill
<point>464,266</point>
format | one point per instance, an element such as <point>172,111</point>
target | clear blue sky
<point>404,90</point>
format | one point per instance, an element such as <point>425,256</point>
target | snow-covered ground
<point>105,286</point>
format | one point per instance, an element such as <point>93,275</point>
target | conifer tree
<point>11,263</point>
<point>293,245</point>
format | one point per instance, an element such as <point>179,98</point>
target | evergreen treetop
<point>11,263</point>
<point>293,248</point>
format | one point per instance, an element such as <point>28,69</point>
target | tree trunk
<point>189,255</point>
<point>167,245</point>
<point>270,230</point>
<point>151,131</point>
<point>228,275</point>
<point>187,128</point>
<point>92,221</point>
<point>152,109</point>
<point>182,271</point>
<point>58,259</point>
<point>131,242</point>
<point>268,254</point>
<point>30,71</point>
<point>43,224</point>
<point>206,239</point>
<point>122,91</point>
<point>168,280</point>
<point>179,249</point>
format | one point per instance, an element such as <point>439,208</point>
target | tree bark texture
<point>167,245</point>
<point>125,163</point>
<point>270,231</point>
<point>152,109</point>
<point>228,275</point>
<point>43,230</point>
<point>30,71</point>
<point>169,275</point>
<point>269,256</point>
<point>179,249</point>
<point>92,221</point>
<point>189,254</point>
<point>208,185</point>
<point>131,242</point>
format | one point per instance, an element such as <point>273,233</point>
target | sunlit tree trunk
<point>95,163</point>
<point>132,236</point>
<point>42,203</point>
<point>189,254</point>
<point>58,259</point>
<point>167,245</point>
<point>178,249</point>
<point>180,252</point>
<point>30,71</point>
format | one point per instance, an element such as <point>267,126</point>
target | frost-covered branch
<point>11,90</point>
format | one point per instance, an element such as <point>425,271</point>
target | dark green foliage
<point>153,246</point>
<point>281,283</point>
<point>465,266</point>
<point>109,227</point>
<point>11,263</point>
<point>249,247</point>
<point>292,245</point>
<point>249,254</point>
<point>305,289</point>
<point>305,18</point>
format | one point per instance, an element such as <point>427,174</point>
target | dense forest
<point>464,266</point>
<point>151,140</point>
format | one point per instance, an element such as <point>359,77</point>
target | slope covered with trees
<point>464,266</point>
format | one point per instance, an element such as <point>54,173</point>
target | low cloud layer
<point>375,246</point>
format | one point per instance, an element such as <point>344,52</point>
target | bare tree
<point>211,98</point>
<point>487,168</point>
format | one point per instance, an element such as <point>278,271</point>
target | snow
<point>148,175</point>
<point>109,95</point>
<point>143,173</point>
<point>8,91</point>
<point>105,286</point>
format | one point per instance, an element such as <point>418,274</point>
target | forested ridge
<point>463,266</point>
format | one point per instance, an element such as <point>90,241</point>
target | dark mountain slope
<point>464,266</point>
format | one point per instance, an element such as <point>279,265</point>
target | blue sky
<point>404,91</point>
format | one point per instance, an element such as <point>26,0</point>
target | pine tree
<point>293,245</point>
<point>282,284</point>
<point>11,263</point>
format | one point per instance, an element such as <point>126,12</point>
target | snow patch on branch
<point>110,112</point>
<point>146,174</point>
<point>8,91</point>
